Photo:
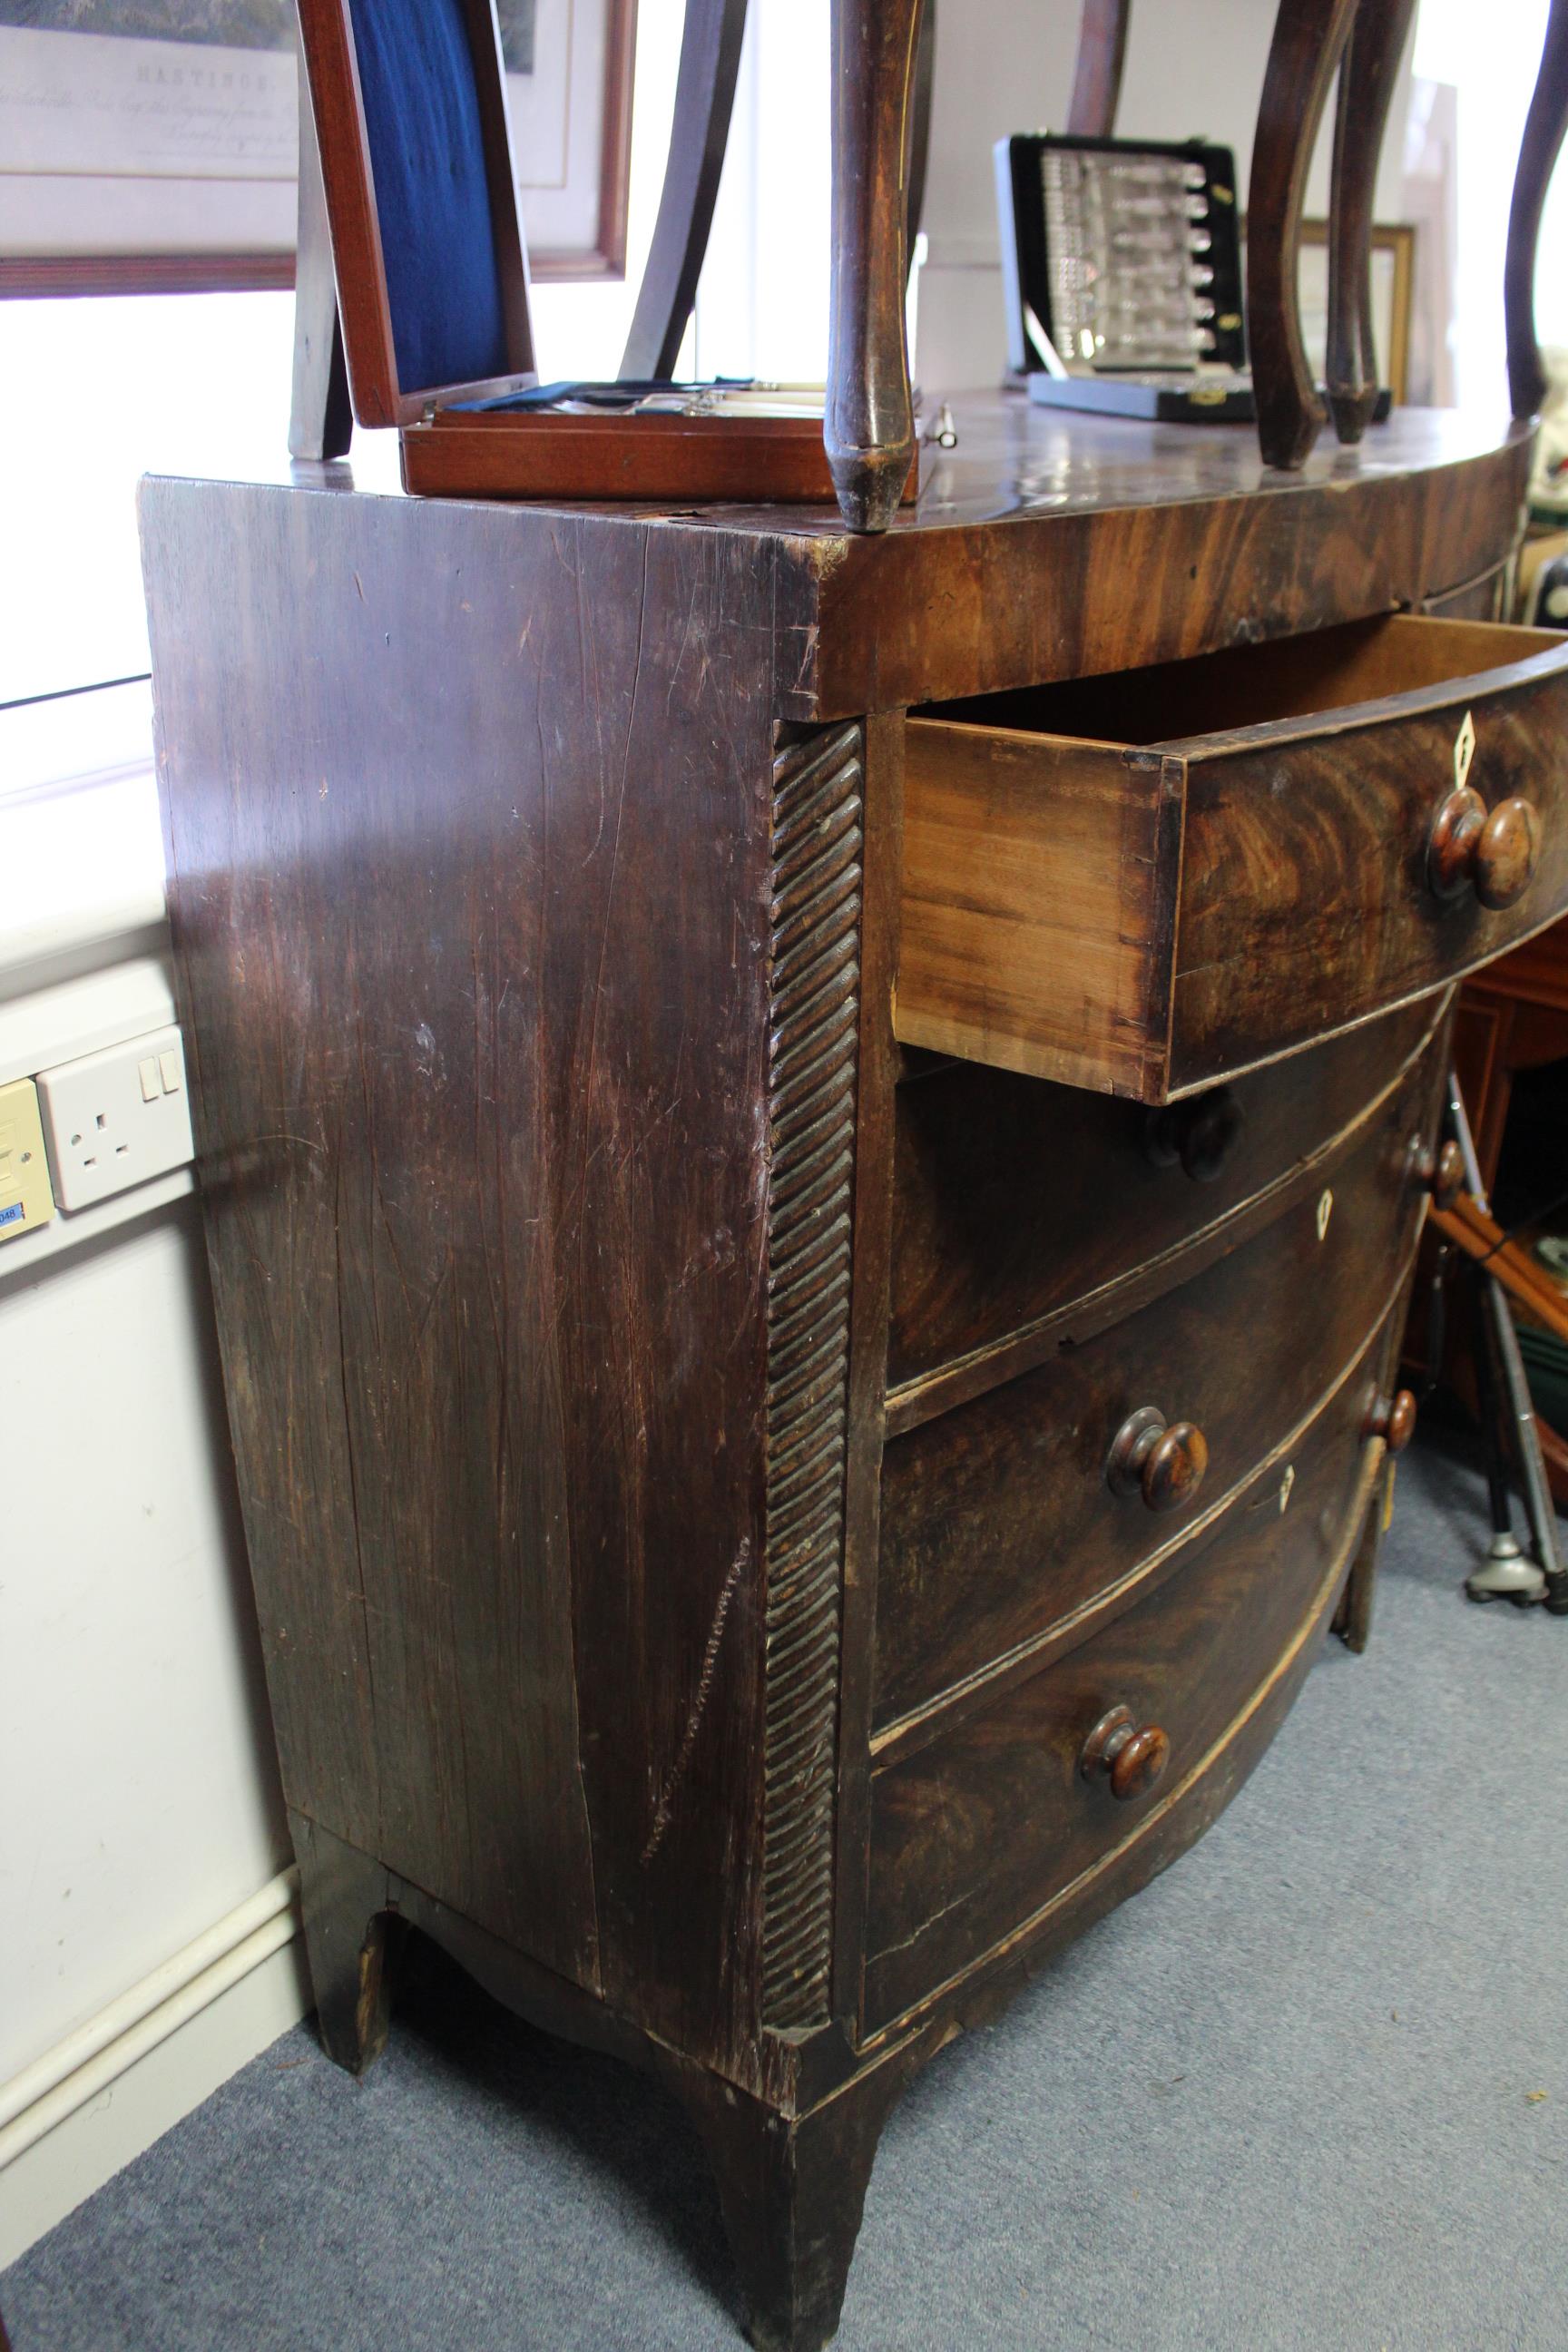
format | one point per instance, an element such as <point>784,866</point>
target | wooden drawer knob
<point>1132,1757</point>
<point>1200,1134</point>
<point>1393,1418</point>
<point>1163,1462</point>
<point>1439,1172</point>
<point>1492,851</point>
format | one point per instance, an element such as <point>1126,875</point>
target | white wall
<point>139,1798</point>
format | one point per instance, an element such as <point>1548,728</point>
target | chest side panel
<point>469,824</point>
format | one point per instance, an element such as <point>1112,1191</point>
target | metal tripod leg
<point>1506,1574</point>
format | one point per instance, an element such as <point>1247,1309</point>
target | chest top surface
<point>1041,547</point>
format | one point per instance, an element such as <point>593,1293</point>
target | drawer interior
<point>1251,686</point>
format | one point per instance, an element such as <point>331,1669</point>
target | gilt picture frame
<point>1393,298</point>
<point>150,145</point>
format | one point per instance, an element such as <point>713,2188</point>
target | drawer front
<point>1015,1200</point>
<point>1309,899</point>
<point>999,1523</point>
<point>1149,918</point>
<point>974,1833</point>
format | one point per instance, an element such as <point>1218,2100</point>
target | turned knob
<point>1163,1462</point>
<point>1200,1134</point>
<point>1393,1418</point>
<point>1131,1756</point>
<point>1439,1172</point>
<point>1493,851</point>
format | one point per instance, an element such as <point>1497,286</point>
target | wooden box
<point>431,263</point>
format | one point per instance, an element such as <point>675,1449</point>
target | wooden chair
<point>1310,39</point>
<point>1538,153</point>
<point>882,54</point>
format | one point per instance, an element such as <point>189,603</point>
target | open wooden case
<point>431,264</point>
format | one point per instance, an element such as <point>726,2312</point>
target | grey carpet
<point>1290,2097</point>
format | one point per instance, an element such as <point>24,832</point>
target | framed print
<point>568,94</point>
<point>150,145</point>
<point>1393,294</point>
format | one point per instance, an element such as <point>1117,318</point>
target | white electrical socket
<point>114,1118</point>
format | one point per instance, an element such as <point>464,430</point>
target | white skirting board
<point>73,2119</point>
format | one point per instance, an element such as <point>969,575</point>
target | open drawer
<point>1146,883</point>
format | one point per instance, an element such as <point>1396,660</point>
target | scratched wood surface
<point>469,833</point>
<point>998,1523</point>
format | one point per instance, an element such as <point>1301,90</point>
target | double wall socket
<point>115,1118</point>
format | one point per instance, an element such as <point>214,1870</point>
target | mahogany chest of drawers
<point>812,1149</point>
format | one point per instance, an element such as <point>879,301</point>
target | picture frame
<point>149,146</point>
<point>1393,300</point>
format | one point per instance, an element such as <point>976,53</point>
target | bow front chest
<point>812,1152</point>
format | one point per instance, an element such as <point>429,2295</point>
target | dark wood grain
<point>1275,863</point>
<point>710,36</point>
<point>869,425</point>
<point>321,420</point>
<point>479,1028</point>
<point>977,1831</point>
<point>1000,1527</point>
<point>1097,74</point>
<point>948,604</point>
<point>1376,932</point>
<point>1018,1202</point>
<point>1543,142</point>
<point>1367,79</point>
<point>537,900</point>
<point>1309,37</point>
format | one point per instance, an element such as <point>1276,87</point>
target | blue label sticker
<point>12,1215</point>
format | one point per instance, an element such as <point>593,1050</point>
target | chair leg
<point>1367,78</point>
<point>321,420</point>
<point>1308,39</point>
<point>710,37</point>
<point>869,423</point>
<point>1544,129</point>
<point>1097,76</point>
